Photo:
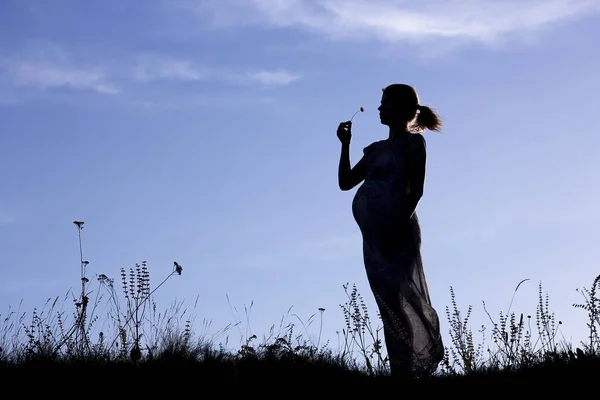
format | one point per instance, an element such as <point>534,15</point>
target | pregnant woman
<point>393,171</point>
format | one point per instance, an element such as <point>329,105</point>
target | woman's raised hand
<point>344,132</point>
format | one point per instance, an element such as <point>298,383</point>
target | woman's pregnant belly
<point>378,206</point>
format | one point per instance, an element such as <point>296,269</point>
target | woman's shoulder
<point>417,139</point>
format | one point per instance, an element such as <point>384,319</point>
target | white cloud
<point>47,75</point>
<point>280,77</point>
<point>46,65</point>
<point>153,67</point>
<point>397,20</point>
<point>149,68</point>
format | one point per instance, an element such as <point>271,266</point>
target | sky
<point>203,132</point>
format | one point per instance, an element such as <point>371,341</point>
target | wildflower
<point>178,268</point>
<point>359,110</point>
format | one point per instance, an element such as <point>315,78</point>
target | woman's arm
<point>417,157</point>
<point>348,177</point>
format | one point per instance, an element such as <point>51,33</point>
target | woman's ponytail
<point>427,119</point>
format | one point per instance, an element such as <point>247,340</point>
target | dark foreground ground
<point>177,376</point>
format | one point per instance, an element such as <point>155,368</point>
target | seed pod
<point>359,110</point>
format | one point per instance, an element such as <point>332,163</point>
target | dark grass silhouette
<point>135,340</point>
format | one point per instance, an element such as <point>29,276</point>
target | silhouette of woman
<point>393,171</point>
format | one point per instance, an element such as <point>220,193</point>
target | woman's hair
<point>406,97</point>
<point>427,119</point>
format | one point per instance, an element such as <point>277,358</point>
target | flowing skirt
<point>392,258</point>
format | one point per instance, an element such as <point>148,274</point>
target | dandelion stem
<point>357,111</point>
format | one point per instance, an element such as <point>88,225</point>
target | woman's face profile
<point>386,113</point>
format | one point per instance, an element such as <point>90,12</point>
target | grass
<point>115,329</point>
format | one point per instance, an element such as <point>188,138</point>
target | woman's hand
<point>344,132</point>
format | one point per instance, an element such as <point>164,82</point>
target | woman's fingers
<point>346,126</point>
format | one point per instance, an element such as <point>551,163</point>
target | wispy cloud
<point>279,77</point>
<point>394,21</point>
<point>45,65</point>
<point>152,67</point>
<point>46,75</point>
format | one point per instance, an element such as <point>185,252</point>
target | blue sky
<point>204,132</point>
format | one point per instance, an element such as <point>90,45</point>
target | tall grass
<point>116,321</point>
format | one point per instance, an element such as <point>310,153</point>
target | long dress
<point>392,258</point>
